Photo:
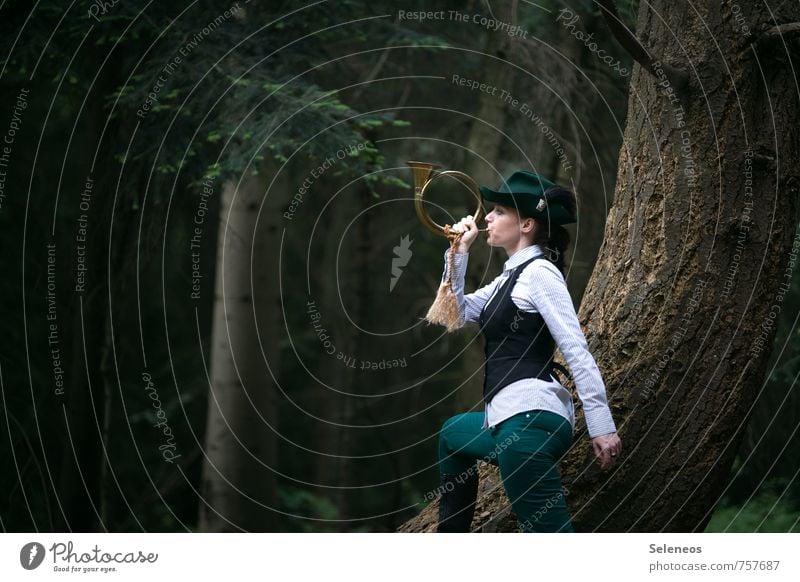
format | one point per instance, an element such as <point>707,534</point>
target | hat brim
<point>503,198</point>
<point>509,199</point>
<point>555,214</point>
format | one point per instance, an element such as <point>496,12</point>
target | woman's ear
<point>527,225</point>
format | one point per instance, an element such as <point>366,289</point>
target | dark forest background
<point>262,95</point>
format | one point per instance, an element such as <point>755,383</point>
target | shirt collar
<point>521,256</point>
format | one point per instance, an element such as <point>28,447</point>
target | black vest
<point>518,343</point>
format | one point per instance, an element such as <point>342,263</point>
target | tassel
<point>444,310</point>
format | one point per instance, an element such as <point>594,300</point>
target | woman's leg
<point>533,442</point>
<point>462,442</point>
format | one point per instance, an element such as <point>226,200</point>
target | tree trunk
<point>238,481</point>
<point>80,483</point>
<point>83,487</point>
<point>679,310</point>
<point>332,404</point>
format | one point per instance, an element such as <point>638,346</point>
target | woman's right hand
<point>606,449</point>
<point>470,229</point>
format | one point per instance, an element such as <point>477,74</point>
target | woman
<point>524,313</point>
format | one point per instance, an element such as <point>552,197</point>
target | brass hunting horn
<point>445,309</point>
<point>424,174</point>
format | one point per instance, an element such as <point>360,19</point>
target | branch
<point>770,37</point>
<point>788,29</point>
<point>677,78</point>
<point>374,73</point>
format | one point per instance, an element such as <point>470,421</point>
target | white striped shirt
<point>540,288</point>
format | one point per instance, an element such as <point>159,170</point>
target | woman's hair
<point>554,238</point>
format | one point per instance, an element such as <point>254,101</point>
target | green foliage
<point>308,512</point>
<point>215,103</point>
<point>767,512</point>
<point>767,452</point>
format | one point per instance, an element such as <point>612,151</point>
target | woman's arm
<point>550,297</point>
<point>470,305</point>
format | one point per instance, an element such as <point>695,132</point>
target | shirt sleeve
<point>550,297</point>
<point>469,305</point>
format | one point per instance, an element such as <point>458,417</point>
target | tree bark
<point>678,310</point>
<point>335,442</point>
<point>238,483</point>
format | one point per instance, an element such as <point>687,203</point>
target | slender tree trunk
<point>83,479</point>
<point>238,482</point>
<point>335,408</point>
<point>679,310</point>
<point>81,474</point>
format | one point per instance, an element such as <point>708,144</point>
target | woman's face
<point>505,227</point>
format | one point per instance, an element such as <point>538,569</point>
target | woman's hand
<point>470,229</point>
<point>607,449</point>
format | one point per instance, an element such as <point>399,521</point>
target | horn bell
<point>423,174</point>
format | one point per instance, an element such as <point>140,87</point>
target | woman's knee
<point>464,422</point>
<point>448,424</point>
<point>448,427</point>
<point>471,419</point>
<point>463,433</point>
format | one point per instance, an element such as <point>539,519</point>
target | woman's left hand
<point>607,448</point>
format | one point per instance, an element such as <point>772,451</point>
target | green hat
<point>524,191</point>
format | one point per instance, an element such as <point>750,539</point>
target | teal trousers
<point>527,448</point>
